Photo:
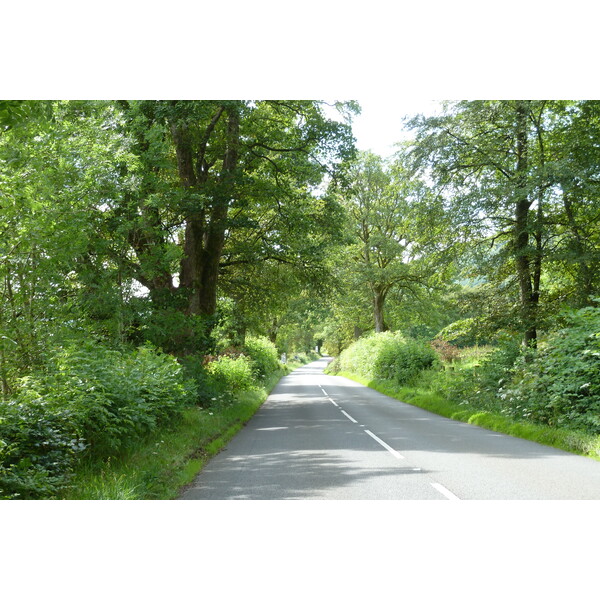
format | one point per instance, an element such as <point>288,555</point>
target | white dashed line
<point>324,392</point>
<point>333,402</point>
<point>353,420</point>
<point>388,448</point>
<point>446,492</point>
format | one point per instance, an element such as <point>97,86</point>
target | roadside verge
<point>169,459</point>
<point>573,441</point>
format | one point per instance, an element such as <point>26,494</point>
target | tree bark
<point>528,298</point>
<point>215,238</point>
<point>379,296</point>
<point>273,331</point>
<point>205,225</point>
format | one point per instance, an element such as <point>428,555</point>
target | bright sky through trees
<point>380,125</point>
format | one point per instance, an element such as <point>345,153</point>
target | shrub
<point>232,375</point>
<point>196,368</point>
<point>386,356</point>
<point>561,385</point>
<point>173,331</point>
<point>38,448</point>
<point>403,360</point>
<point>88,400</point>
<point>263,354</point>
<point>479,374</point>
<point>462,333</point>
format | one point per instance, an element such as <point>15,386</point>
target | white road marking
<point>333,401</point>
<point>388,448</point>
<point>446,492</point>
<point>324,392</point>
<point>270,428</point>
<point>353,420</point>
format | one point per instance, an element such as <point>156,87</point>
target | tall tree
<point>235,162</point>
<point>480,153</point>
<point>522,177</point>
<point>57,180</point>
<point>396,227</point>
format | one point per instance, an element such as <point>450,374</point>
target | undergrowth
<point>171,457</point>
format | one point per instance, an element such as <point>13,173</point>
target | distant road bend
<point>323,437</point>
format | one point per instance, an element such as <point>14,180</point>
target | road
<point>323,437</point>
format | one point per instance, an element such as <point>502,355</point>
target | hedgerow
<point>232,375</point>
<point>386,355</point>
<point>90,401</point>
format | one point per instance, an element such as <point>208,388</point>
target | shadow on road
<point>301,445</point>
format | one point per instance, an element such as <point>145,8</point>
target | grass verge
<point>565,439</point>
<point>170,459</point>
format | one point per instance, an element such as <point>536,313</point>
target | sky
<point>379,126</point>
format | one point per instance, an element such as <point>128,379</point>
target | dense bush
<point>231,375</point>
<point>171,330</point>
<point>479,374</point>
<point>461,333</point>
<point>561,384</point>
<point>386,356</point>
<point>263,354</point>
<point>196,368</point>
<point>39,445</point>
<point>90,400</point>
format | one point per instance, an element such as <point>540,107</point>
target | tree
<point>522,177</point>
<point>56,276</point>
<point>573,146</point>
<point>480,153</point>
<point>394,221</point>
<point>231,183</point>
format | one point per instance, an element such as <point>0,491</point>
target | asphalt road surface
<point>324,437</point>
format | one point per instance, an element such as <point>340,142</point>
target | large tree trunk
<point>215,237</point>
<point>379,296</point>
<point>528,297</point>
<point>205,226</point>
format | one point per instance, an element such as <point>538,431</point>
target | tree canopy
<point>157,255</point>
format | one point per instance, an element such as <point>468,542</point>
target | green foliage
<point>195,368</point>
<point>386,356</point>
<point>462,332</point>
<point>38,447</point>
<point>519,180</point>
<point>263,355</point>
<point>560,385</point>
<point>232,375</point>
<point>88,401</point>
<point>397,233</point>
<point>473,379</point>
<point>171,330</point>
<point>401,362</point>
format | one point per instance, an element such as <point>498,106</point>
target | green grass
<point>565,439</point>
<point>171,457</point>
